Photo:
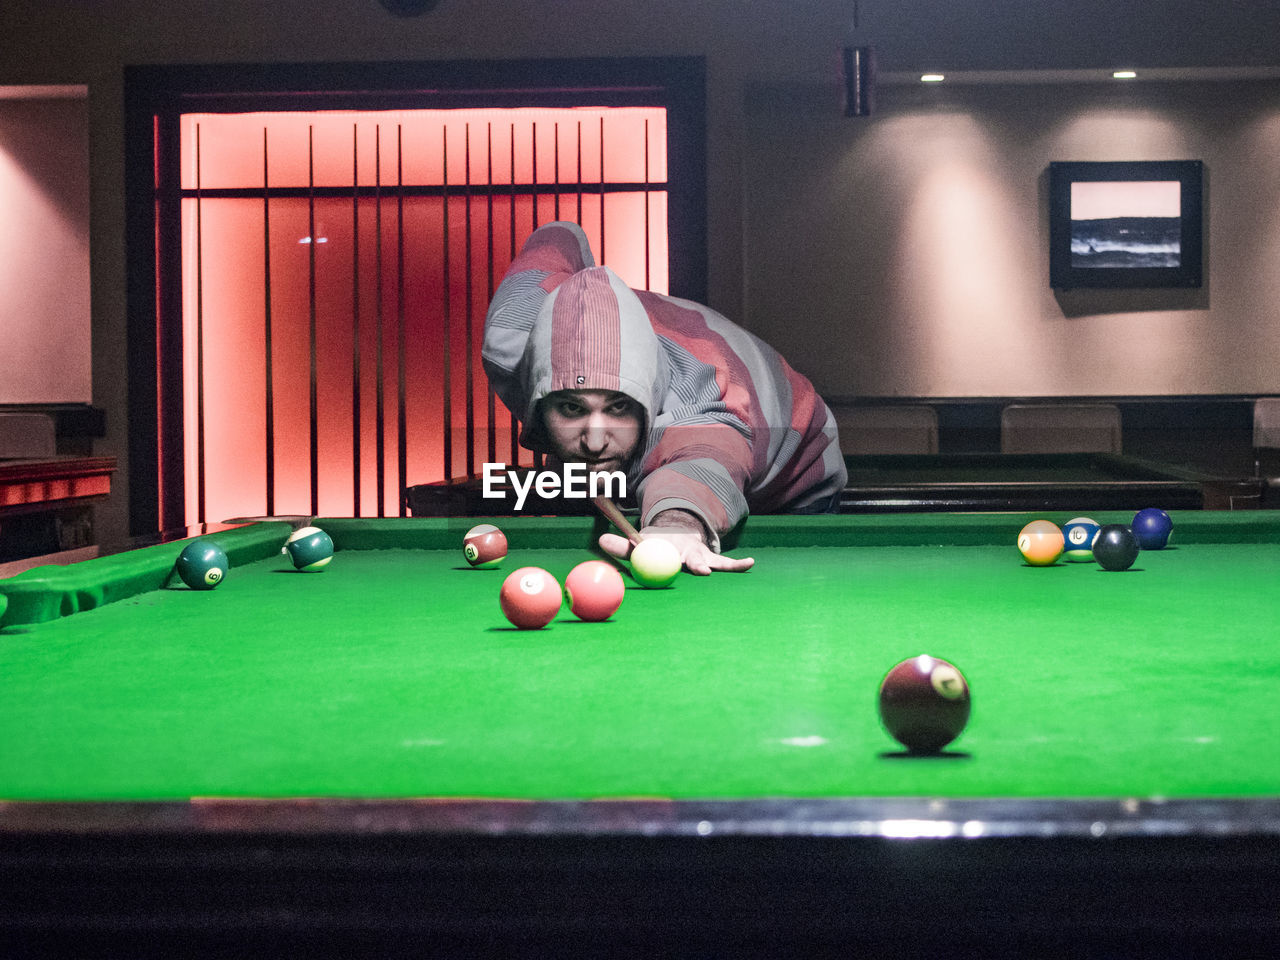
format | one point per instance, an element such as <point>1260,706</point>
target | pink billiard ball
<point>594,590</point>
<point>484,545</point>
<point>530,598</point>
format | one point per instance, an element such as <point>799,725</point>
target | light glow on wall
<point>414,217</point>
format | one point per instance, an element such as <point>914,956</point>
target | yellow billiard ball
<point>655,562</point>
<point>1041,543</point>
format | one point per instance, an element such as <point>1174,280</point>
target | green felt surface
<point>393,673</point>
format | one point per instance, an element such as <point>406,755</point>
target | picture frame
<point>1125,224</point>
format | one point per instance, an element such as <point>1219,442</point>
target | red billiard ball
<point>924,703</point>
<point>484,545</point>
<point>594,590</point>
<point>530,598</point>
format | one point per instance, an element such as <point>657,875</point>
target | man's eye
<point>620,409</point>
<point>568,409</point>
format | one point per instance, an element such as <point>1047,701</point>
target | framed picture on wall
<point>1125,224</point>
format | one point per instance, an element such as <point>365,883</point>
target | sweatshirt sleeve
<point>551,254</point>
<point>701,468</point>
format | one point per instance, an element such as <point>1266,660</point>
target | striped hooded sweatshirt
<point>728,428</point>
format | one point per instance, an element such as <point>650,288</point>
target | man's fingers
<point>615,545</point>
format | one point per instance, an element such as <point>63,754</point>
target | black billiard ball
<point>1115,547</point>
<point>924,703</point>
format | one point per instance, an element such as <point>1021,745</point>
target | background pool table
<point>318,752</point>
<point>955,482</point>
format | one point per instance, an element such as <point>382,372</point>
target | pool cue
<point>611,513</point>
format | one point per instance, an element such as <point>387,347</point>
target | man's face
<point>600,428</point>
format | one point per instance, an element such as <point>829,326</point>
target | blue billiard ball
<point>202,565</point>
<point>310,549</point>
<point>1079,534</point>
<point>1152,528</point>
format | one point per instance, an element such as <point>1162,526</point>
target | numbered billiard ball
<point>484,546</point>
<point>1041,543</point>
<point>202,564</point>
<point>530,598</point>
<point>655,562</point>
<point>309,548</point>
<point>1152,527</point>
<point>924,703</point>
<point>1115,547</point>
<point>1079,534</point>
<point>594,590</point>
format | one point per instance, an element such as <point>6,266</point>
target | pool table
<point>372,754</point>
<point>893,483</point>
<point>980,481</point>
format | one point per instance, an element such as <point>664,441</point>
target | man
<point>707,421</point>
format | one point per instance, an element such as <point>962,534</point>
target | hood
<point>592,333</point>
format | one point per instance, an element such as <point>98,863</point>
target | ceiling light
<point>932,78</point>
<point>1123,74</point>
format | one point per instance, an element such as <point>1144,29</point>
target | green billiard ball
<point>202,565</point>
<point>310,549</point>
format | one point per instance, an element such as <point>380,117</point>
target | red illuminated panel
<point>395,279</point>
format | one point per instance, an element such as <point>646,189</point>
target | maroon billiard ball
<point>924,703</point>
<point>484,545</point>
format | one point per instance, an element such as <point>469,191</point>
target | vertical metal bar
<point>491,411</point>
<point>537,457</point>
<point>556,131</point>
<point>355,320</point>
<point>578,175</point>
<point>311,291</point>
<point>447,415</point>
<point>469,306</point>
<point>402,443</point>
<point>270,386</point>
<point>515,423</point>
<point>379,426</point>
<point>647,283</point>
<point>602,253</point>
<point>200,474</point>
<point>168,288</point>
<point>534,189</point>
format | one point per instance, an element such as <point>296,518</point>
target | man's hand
<point>685,532</point>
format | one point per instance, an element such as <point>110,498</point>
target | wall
<point>905,255</point>
<point>44,251</point>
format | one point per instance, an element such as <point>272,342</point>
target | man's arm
<point>687,533</point>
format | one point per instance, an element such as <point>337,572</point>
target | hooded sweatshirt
<point>729,428</point>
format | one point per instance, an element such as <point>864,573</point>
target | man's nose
<point>595,434</point>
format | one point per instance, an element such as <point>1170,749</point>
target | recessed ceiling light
<point>1124,74</point>
<point>932,78</point>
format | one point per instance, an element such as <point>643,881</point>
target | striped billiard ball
<point>1040,542</point>
<point>484,546</point>
<point>1079,534</point>
<point>309,548</point>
